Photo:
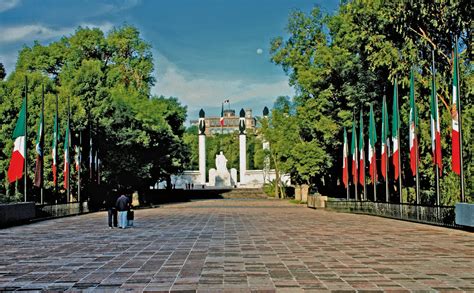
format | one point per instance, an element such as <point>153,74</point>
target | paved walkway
<point>219,245</point>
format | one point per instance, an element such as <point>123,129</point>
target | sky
<point>205,51</point>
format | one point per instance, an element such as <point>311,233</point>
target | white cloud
<point>8,4</point>
<point>197,92</point>
<point>30,32</point>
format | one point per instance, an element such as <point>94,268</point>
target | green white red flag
<point>361,151</point>
<point>413,124</point>
<point>354,151</point>
<point>54,151</point>
<point>395,119</point>
<point>66,158</point>
<point>17,161</point>
<point>372,142</point>
<point>455,159</point>
<point>39,153</point>
<point>435,127</point>
<point>345,162</point>
<point>385,139</point>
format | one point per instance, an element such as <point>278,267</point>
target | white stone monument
<point>220,176</point>
<point>202,148</point>
<point>242,147</point>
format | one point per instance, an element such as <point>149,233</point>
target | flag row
<point>357,148</point>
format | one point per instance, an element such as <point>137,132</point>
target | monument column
<point>242,147</point>
<point>266,148</point>
<point>202,147</point>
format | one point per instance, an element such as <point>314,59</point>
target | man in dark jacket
<point>122,207</point>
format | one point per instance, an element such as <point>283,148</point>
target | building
<point>231,122</point>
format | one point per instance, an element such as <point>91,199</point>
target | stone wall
<point>14,213</point>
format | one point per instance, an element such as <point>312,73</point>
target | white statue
<point>221,163</point>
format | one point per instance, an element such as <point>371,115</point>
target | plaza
<point>242,245</point>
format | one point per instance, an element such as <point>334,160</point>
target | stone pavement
<point>236,245</point>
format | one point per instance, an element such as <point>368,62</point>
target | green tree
<point>107,77</point>
<point>340,63</point>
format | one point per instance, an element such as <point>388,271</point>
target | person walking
<point>122,207</point>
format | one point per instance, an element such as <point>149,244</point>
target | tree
<point>3,73</point>
<point>341,63</point>
<point>108,77</point>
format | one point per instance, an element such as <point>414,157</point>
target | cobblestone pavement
<point>236,245</point>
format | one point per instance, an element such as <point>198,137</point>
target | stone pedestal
<point>298,192</point>
<point>233,176</point>
<point>243,157</point>
<point>212,177</point>
<point>304,192</point>
<point>202,158</point>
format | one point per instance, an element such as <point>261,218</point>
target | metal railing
<point>435,215</point>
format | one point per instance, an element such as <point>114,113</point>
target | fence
<point>435,215</point>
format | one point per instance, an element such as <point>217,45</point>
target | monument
<point>220,176</point>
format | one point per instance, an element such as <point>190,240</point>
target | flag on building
<point>54,149</point>
<point>345,162</point>
<point>66,158</point>
<point>17,161</point>
<point>395,119</point>
<point>361,151</point>
<point>39,153</point>
<point>385,140</point>
<point>413,126</point>
<point>221,121</point>
<point>456,153</point>
<point>354,154</point>
<point>435,126</point>
<point>372,142</point>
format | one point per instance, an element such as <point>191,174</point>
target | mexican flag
<point>354,154</point>
<point>413,126</point>
<point>455,160</point>
<point>395,119</point>
<point>372,142</point>
<point>39,154</point>
<point>221,121</point>
<point>361,151</point>
<point>345,162</point>
<point>66,158</point>
<point>77,157</point>
<point>435,128</point>
<point>17,161</point>
<point>54,151</point>
<point>385,140</point>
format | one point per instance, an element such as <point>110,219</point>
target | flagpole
<point>56,146</point>
<point>356,150</point>
<point>399,146</point>
<point>68,189</point>
<point>42,139</point>
<point>364,196</point>
<point>79,169</point>
<point>26,136</point>
<point>417,155</point>
<point>436,111</point>
<point>385,127</point>
<point>460,122</point>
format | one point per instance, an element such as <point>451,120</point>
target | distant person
<point>122,207</point>
<point>111,212</point>
<point>130,215</point>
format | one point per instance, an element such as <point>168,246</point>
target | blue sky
<point>204,51</point>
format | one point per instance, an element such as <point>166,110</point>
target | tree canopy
<point>341,63</point>
<point>108,78</point>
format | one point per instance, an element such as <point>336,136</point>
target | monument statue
<point>242,121</point>
<point>202,123</point>
<point>221,163</point>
